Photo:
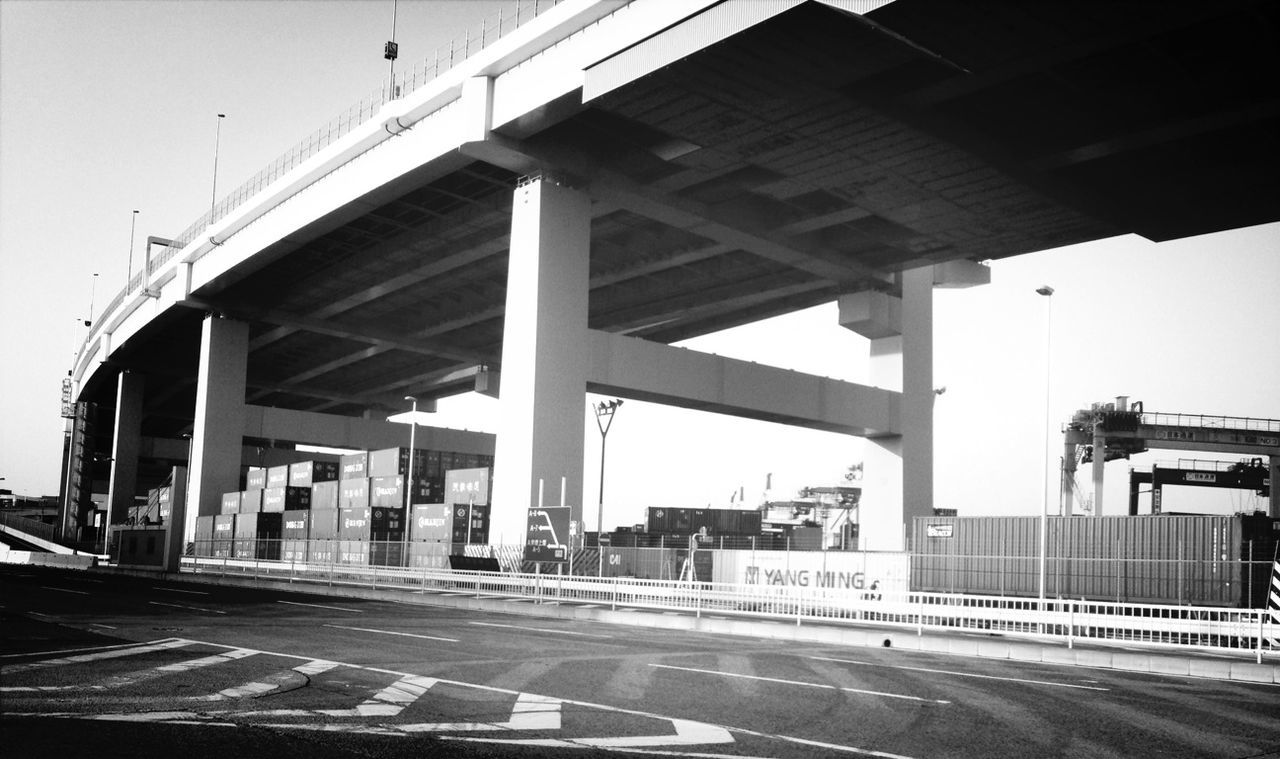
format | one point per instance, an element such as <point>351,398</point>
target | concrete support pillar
<point>898,478</point>
<point>544,357</point>
<point>219,417</point>
<point>124,447</point>
<point>917,394</point>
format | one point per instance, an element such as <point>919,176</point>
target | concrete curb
<point>1179,665</point>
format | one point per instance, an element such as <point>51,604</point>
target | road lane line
<point>72,650</point>
<point>190,608</point>
<point>838,747</point>
<point>65,590</point>
<point>540,629</point>
<point>321,606</point>
<point>206,661</point>
<point>961,674</point>
<point>113,654</point>
<point>95,624</point>
<point>177,590</point>
<point>800,682</point>
<point>392,632</point>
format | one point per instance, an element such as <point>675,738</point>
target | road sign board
<point>547,534</point>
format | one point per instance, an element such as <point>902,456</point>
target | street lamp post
<point>217,140</point>
<point>128,272</point>
<point>604,420</point>
<point>1046,291</point>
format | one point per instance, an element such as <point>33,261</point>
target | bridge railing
<point>475,38</point>
<point>1242,423</point>
<point>1063,620</point>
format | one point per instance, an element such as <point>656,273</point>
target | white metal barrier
<point>1066,621</point>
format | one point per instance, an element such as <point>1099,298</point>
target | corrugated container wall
<point>304,474</point>
<point>278,476</point>
<point>1184,559</point>
<point>324,495</point>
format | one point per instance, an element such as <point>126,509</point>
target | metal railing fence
<point>473,39</point>
<point>1211,422</point>
<point>1063,620</point>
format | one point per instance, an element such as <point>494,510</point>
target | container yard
<point>1180,559</point>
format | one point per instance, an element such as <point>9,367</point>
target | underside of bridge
<point>816,154</point>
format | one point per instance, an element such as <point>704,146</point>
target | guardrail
<point>1064,621</point>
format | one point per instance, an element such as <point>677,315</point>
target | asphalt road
<point>93,663</point>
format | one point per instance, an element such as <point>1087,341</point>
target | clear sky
<point>107,107</point>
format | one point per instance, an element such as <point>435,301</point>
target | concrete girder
<point>643,370</point>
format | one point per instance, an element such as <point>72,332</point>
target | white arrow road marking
<point>529,713</point>
<point>112,654</point>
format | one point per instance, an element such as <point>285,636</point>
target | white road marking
<point>113,654</point>
<point>206,661</point>
<point>179,590</point>
<point>389,701</point>
<point>838,747</point>
<point>392,632</point>
<point>541,629</point>
<point>65,590</point>
<point>530,712</point>
<point>316,667</point>
<point>800,682</point>
<point>273,682</point>
<point>687,733</point>
<point>961,674</point>
<point>321,606</point>
<point>189,608</point>
<point>70,650</point>
<point>95,624</point>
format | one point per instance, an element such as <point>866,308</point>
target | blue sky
<point>106,107</point>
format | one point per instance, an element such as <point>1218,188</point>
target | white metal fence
<point>1064,621</point>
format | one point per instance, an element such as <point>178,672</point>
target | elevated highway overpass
<point>606,178</point>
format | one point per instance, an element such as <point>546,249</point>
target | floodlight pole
<point>604,420</point>
<point>413,432</point>
<point>1046,291</point>
<point>217,140</point>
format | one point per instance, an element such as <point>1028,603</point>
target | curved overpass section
<point>613,177</point>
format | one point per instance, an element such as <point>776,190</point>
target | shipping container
<point>204,536</point>
<point>286,499</point>
<point>429,555</point>
<point>255,478</point>
<point>322,551</point>
<point>257,536</point>
<point>390,462</point>
<point>324,495</point>
<point>386,492</point>
<point>353,524</point>
<point>386,524</point>
<point>224,533</point>
<point>293,550</point>
<point>324,524</point>
<point>250,501</point>
<point>467,485</point>
<point>295,524</point>
<point>278,476</point>
<point>353,493</point>
<point>354,466</point>
<point>230,503</point>
<point>1166,559</point>
<point>386,554</point>
<point>445,523</point>
<point>352,552</point>
<point>304,474</point>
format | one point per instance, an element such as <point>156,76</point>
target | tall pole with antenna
<point>93,291</point>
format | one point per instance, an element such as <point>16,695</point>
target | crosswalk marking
<point>529,713</point>
<point>388,702</point>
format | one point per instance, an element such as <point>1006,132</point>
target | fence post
<point>614,605</point>
<point>1071,623</point>
<point>697,601</point>
<point>1261,614</point>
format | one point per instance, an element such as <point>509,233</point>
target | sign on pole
<point>547,534</point>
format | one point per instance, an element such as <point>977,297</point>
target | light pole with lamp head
<point>1047,292</point>
<point>604,420</point>
<point>413,431</point>
<point>217,139</point>
<point>128,272</point>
